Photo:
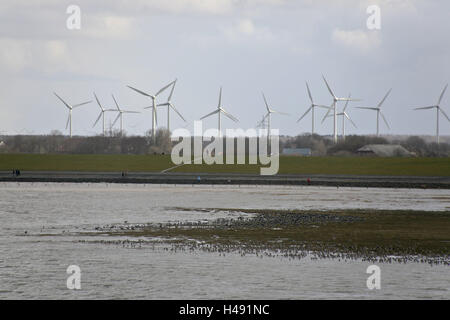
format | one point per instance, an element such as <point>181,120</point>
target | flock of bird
<point>264,123</point>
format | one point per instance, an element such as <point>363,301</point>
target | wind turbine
<point>311,108</point>
<point>335,100</point>
<point>379,113</point>
<point>344,115</point>
<point>70,107</point>
<point>153,106</point>
<point>121,112</point>
<point>102,113</point>
<point>438,108</point>
<point>170,105</point>
<point>220,110</point>
<point>269,112</point>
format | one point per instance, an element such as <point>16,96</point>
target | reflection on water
<point>32,266</point>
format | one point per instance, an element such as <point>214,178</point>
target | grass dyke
<point>288,164</point>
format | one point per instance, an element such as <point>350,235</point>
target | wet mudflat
<point>200,242</point>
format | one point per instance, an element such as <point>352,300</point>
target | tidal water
<point>40,225</point>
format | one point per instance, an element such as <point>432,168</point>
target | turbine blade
<point>346,103</point>
<point>384,119</point>
<point>329,89</point>
<point>220,98</point>
<point>210,114</point>
<point>443,112</point>
<point>117,118</point>
<point>126,111</point>
<point>306,112</point>
<point>368,108</point>
<point>265,101</point>
<point>141,92</point>
<point>80,104</point>
<point>68,119</point>
<point>117,105</point>
<point>163,88</point>
<point>347,99</point>
<point>98,102</point>
<point>309,93</point>
<point>171,91</point>
<point>442,94</point>
<point>379,105</point>
<point>173,107</point>
<point>346,115</point>
<point>99,116</point>
<point>162,104</point>
<point>283,113</point>
<point>322,106</point>
<point>65,103</point>
<point>353,123</point>
<point>229,115</point>
<point>423,108</point>
<point>326,115</point>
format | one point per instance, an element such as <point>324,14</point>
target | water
<point>34,267</point>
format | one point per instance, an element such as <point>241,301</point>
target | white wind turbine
<point>438,108</point>
<point>153,106</point>
<point>220,110</point>
<point>102,113</point>
<point>379,113</point>
<point>269,112</point>
<point>344,115</point>
<point>311,108</point>
<point>169,105</point>
<point>120,115</point>
<point>333,107</point>
<point>71,107</point>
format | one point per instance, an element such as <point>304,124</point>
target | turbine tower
<point>70,107</point>
<point>344,115</point>
<point>153,106</point>
<point>269,112</point>
<point>379,113</point>
<point>120,115</point>
<point>220,110</point>
<point>438,108</point>
<point>311,108</point>
<point>170,105</point>
<point>102,114</point>
<point>335,100</point>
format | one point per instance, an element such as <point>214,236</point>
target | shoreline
<point>366,181</point>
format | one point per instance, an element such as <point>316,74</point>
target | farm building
<point>385,150</point>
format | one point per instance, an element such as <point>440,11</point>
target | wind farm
<point>332,111</point>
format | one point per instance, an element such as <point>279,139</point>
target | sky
<point>245,46</point>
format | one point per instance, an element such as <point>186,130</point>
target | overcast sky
<point>246,46</point>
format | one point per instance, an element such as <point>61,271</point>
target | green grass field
<point>288,164</point>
